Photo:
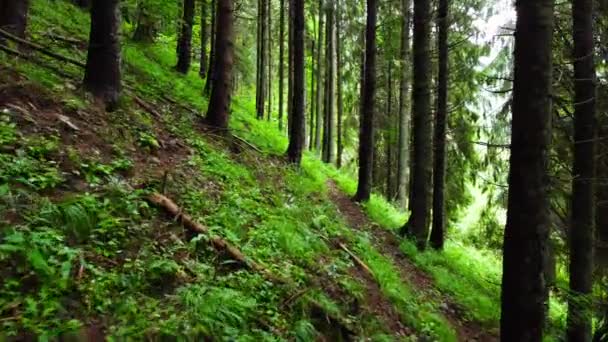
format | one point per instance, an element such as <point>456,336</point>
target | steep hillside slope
<point>85,254</point>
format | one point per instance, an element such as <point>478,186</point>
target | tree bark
<point>184,56</point>
<point>319,119</point>
<point>388,141</point>
<point>328,134</point>
<point>211,72</point>
<point>366,131</point>
<point>281,63</point>
<point>261,89</point>
<point>269,49</point>
<point>145,31</point>
<point>13,17</point>
<point>204,35</point>
<point>404,115</point>
<point>439,169</point>
<point>219,104</point>
<point>583,175</point>
<point>524,288</point>
<point>418,223</point>
<point>102,71</point>
<point>311,125</point>
<point>290,71</point>
<point>298,126</point>
<point>339,83</point>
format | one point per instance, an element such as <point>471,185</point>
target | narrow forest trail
<point>388,244</point>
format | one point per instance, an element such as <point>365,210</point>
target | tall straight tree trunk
<point>583,174</point>
<point>366,131</point>
<point>311,125</point>
<point>13,16</point>
<point>204,34</point>
<point>328,134</point>
<point>438,228</point>
<point>318,118</point>
<point>219,103</point>
<point>404,115</point>
<point>211,70</point>
<point>339,82</point>
<point>298,126</point>
<point>102,71</point>
<point>281,63</point>
<point>185,38</point>
<point>145,29</point>
<point>269,49</point>
<point>261,89</point>
<point>389,142</point>
<point>290,71</point>
<point>418,223</point>
<point>524,288</point>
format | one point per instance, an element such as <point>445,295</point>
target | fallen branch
<point>34,60</point>
<point>220,244</point>
<point>145,106</point>
<point>247,143</point>
<point>40,49</point>
<point>217,242</point>
<point>356,259</point>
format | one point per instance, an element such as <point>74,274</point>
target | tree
<point>404,117</point>
<point>366,131</point>
<point>298,125</point>
<point>583,174</point>
<point>211,69</point>
<point>185,38</point>
<point>204,34</point>
<point>418,223</point>
<point>328,115</point>
<point>269,57</point>
<point>261,69</point>
<point>339,78</point>
<point>13,16</point>
<point>219,104</point>
<point>524,290</point>
<point>102,71</point>
<point>318,118</point>
<point>281,63</point>
<point>438,228</point>
<point>145,30</point>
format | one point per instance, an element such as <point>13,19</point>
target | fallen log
<point>356,259</point>
<point>40,49</point>
<point>220,244</point>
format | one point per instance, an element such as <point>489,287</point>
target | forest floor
<point>84,252</point>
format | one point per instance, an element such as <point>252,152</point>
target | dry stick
<point>146,106</point>
<point>222,245</point>
<point>40,49</point>
<point>34,60</point>
<point>356,259</point>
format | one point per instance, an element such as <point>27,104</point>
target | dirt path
<point>388,244</point>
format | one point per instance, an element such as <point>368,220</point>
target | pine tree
<point>204,34</point>
<point>298,125</point>
<point>185,38</point>
<point>13,17</point>
<point>524,289</point>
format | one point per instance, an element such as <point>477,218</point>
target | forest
<point>303,170</point>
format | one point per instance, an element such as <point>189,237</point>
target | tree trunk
<point>438,228</point>
<point>366,131</point>
<point>328,134</point>
<point>185,38</point>
<point>290,69</point>
<point>524,288</point>
<point>145,31</point>
<point>261,89</point>
<point>388,136</point>
<point>404,115</point>
<point>311,125</point>
<point>339,83</point>
<point>211,74</point>
<point>418,223</point>
<point>319,119</point>
<point>204,34</point>
<point>583,175</point>
<point>218,112</point>
<point>102,71</point>
<point>298,126</point>
<point>13,17</point>
<point>269,49</point>
<point>281,63</point>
